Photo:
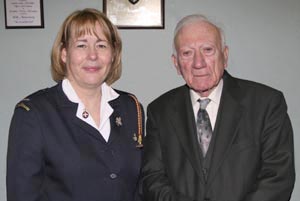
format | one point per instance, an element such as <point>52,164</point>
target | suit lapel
<point>183,122</point>
<point>229,114</point>
<point>114,123</point>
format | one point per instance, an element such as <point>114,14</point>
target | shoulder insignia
<point>22,105</point>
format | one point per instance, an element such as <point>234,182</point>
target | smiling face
<point>200,57</point>
<point>88,59</point>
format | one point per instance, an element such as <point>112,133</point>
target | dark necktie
<point>204,129</point>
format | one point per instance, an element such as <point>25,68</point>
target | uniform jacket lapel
<point>96,144</point>
<point>115,128</point>
<point>69,109</point>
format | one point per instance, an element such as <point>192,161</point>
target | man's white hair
<point>196,18</point>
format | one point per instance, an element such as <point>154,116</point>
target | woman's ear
<point>63,55</point>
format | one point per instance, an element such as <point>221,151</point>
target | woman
<point>81,139</point>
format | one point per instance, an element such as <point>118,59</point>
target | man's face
<point>200,57</point>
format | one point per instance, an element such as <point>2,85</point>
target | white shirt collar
<point>108,94</point>
<point>214,96</point>
<point>213,106</point>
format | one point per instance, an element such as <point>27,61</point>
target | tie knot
<point>203,103</point>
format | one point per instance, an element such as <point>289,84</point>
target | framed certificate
<point>24,14</point>
<point>135,14</point>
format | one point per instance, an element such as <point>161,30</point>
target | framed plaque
<point>24,14</point>
<point>135,14</point>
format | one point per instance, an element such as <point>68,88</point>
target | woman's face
<point>88,59</point>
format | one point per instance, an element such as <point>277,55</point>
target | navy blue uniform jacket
<point>55,156</point>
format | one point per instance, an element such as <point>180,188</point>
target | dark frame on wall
<point>24,14</point>
<point>136,14</point>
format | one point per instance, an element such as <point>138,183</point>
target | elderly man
<point>216,138</point>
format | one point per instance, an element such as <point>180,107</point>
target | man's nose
<point>199,59</point>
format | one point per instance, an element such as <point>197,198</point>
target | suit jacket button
<point>204,171</point>
<point>113,176</point>
<point>206,199</point>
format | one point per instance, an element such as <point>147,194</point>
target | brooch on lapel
<point>118,121</point>
<point>85,114</point>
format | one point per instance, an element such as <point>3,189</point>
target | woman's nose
<point>92,54</point>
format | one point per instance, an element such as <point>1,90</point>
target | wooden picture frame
<point>22,14</point>
<point>135,14</point>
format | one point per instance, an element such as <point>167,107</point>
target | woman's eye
<point>102,46</point>
<point>81,45</point>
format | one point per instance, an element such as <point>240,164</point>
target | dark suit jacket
<point>252,159</point>
<point>55,156</point>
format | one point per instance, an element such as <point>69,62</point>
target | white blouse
<point>108,94</point>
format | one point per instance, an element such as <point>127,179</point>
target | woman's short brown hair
<point>79,23</point>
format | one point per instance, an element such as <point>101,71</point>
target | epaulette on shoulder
<point>25,102</point>
<point>139,136</point>
<point>22,104</point>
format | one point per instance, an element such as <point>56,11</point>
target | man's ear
<point>225,55</point>
<point>176,65</point>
